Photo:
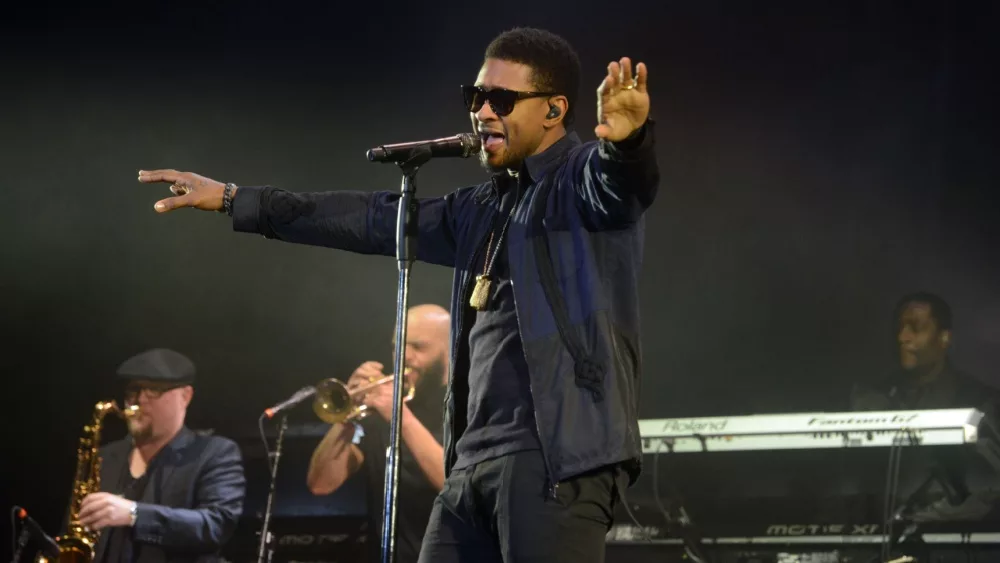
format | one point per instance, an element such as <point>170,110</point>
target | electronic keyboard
<point>811,431</point>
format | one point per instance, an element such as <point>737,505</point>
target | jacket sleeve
<point>218,501</point>
<point>618,180</point>
<point>355,221</point>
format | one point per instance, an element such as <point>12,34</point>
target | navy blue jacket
<point>584,205</point>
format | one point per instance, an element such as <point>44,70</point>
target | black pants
<point>498,511</point>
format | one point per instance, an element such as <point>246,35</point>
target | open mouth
<point>491,140</point>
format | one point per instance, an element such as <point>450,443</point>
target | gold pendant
<point>480,293</point>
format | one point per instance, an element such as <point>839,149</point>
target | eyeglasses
<point>501,100</point>
<point>132,392</point>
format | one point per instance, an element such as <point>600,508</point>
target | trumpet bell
<point>333,402</point>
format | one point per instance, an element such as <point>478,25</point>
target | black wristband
<point>227,199</point>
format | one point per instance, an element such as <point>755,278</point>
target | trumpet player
<point>350,447</point>
<point>168,494</point>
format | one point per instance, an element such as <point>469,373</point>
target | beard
<point>508,161</point>
<point>512,155</point>
<point>140,434</point>
<point>429,386</point>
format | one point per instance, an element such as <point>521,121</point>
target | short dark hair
<point>555,65</point>
<point>940,309</point>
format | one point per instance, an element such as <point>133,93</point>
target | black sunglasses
<point>501,100</point>
<point>155,391</point>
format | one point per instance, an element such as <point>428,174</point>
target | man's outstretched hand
<point>622,100</point>
<point>189,189</point>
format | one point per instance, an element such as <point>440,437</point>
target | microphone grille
<point>471,144</point>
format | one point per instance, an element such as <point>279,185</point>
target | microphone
<point>50,547</point>
<point>298,397</point>
<point>462,145</point>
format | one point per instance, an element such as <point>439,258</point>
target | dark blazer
<point>191,503</point>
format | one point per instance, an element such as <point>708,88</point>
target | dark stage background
<point>819,159</point>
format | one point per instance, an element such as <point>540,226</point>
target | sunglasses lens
<point>502,101</point>
<point>474,98</point>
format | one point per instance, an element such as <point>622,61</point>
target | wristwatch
<point>134,512</point>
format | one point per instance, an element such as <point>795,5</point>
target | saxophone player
<point>168,494</point>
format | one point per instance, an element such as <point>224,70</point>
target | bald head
<point>429,318</point>
<point>428,328</point>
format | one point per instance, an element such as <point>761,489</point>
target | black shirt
<point>501,415</point>
<point>121,548</point>
<point>415,494</point>
<point>951,389</point>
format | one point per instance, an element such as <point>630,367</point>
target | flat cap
<point>158,364</point>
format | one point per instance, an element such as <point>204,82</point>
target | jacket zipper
<point>551,486</point>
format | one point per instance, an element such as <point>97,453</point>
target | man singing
<point>541,409</point>
<point>347,448</point>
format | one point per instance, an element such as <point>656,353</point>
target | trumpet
<point>335,403</point>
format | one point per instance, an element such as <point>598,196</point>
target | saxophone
<point>77,544</point>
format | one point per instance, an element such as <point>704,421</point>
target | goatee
<point>140,435</point>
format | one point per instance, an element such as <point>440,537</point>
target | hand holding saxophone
<point>105,510</point>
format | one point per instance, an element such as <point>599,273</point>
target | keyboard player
<point>925,377</point>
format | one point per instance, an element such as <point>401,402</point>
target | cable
<point>892,488</point>
<point>13,535</point>
<point>263,437</point>
<point>656,490</point>
<point>888,502</point>
<point>628,510</point>
<point>691,548</point>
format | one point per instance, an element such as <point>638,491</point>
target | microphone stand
<point>406,252</point>
<point>266,540</point>
<point>22,540</point>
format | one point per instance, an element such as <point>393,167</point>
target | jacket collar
<point>184,437</point>
<point>536,166</point>
<point>539,164</point>
<point>182,440</point>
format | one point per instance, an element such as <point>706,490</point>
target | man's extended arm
<point>349,220</point>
